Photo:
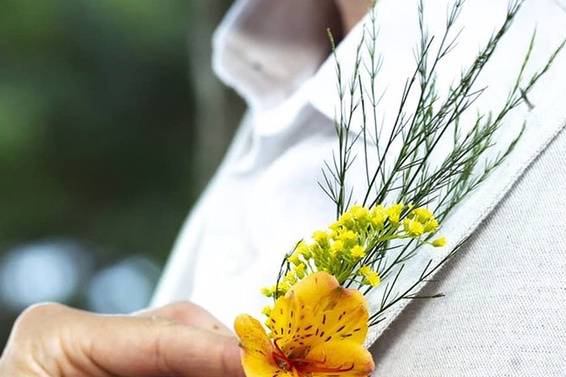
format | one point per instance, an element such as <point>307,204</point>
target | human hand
<point>182,339</point>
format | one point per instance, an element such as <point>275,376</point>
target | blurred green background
<point>110,124</point>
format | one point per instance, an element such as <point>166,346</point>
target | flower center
<point>282,361</point>
<point>303,365</point>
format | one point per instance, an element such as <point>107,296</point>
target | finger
<point>189,314</point>
<point>139,346</point>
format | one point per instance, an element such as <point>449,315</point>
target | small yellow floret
<point>290,278</point>
<point>304,250</point>
<point>348,237</point>
<point>337,247</point>
<point>439,242</point>
<point>283,286</point>
<point>320,237</point>
<point>431,226</point>
<point>358,252</point>
<point>295,258</point>
<point>413,227</point>
<point>422,214</point>
<point>360,214</point>
<point>266,311</point>
<point>378,216</point>
<point>370,276</point>
<point>268,291</point>
<point>394,213</point>
<point>334,228</point>
<point>346,220</point>
<point>300,271</point>
<point>373,279</point>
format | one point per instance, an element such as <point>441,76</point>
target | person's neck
<point>351,12</point>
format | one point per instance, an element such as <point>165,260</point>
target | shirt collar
<point>323,86</point>
<point>267,50</point>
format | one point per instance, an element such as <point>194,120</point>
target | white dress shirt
<point>504,311</point>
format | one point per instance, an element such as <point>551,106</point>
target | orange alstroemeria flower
<point>317,329</point>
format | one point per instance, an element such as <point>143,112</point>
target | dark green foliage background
<point>97,124</point>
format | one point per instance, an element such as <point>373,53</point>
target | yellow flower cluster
<point>346,247</point>
<point>420,221</point>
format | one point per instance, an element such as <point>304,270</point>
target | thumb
<point>187,313</point>
<point>138,346</point>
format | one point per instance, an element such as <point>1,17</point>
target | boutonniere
<point>318,318</point>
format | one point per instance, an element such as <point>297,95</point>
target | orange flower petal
<point>314,286</point>
<point>256,348</point>
<point>317,309</point>
<point>351,358</point>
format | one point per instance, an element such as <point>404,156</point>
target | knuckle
<point>25,348</point>
<point>42,310</point>
<point>38,313</point>
<point>182,307</point>
<point>49,339</point>
<point>178,311</point>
